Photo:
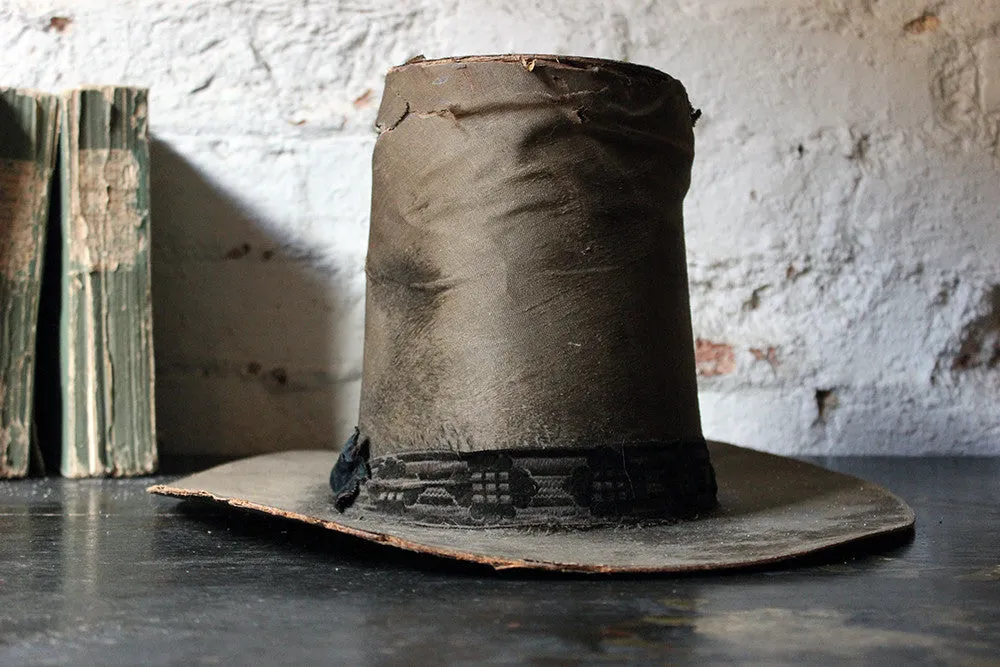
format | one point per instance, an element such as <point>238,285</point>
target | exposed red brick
<point>363,99</point>
<point>714,358</point>
<point>922,24</point>
<point>770,355</point>
<point>59,23</point>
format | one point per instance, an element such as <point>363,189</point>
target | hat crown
<point>527,284</point>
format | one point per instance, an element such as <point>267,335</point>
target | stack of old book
<point>97,354</point>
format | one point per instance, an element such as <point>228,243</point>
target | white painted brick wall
<point>843,225</point>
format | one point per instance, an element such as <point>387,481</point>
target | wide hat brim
<point>771,509</point>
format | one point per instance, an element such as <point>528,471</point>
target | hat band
<point>543,486</point>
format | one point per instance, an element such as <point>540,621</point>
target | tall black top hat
<point>528,351</point>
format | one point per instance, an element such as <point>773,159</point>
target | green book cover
<point>29,127</point>
<point>106,322</point>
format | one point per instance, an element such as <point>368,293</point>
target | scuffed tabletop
<point>99,572</point>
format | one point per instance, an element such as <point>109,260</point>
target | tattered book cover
<point>29,124</point>
<point>106,320</point>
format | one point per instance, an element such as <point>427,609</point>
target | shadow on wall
<point>244,333</point>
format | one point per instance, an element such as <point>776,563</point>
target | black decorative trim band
<point>543,487</point>
<point>350,471</point>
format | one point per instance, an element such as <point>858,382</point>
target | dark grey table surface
<point>99,572</point>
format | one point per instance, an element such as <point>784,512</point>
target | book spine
<point>29,127</point>
<point>106,321</point>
